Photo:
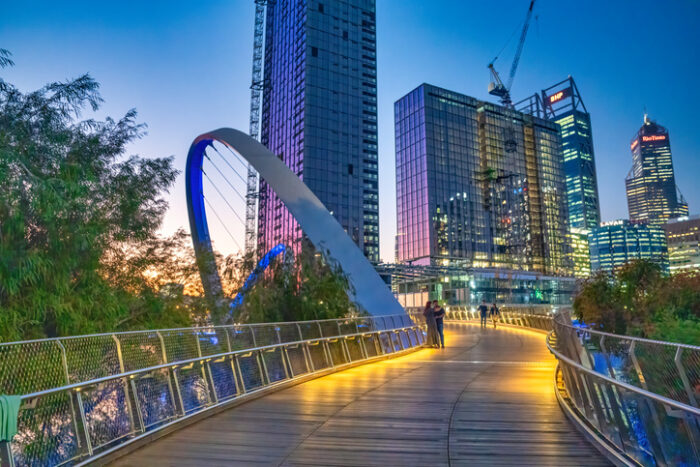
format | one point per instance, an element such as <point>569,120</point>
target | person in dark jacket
<point>439,315</point>
<point>432,338</point>
<point>483,313</point>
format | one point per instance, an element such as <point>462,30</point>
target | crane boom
<point>523,35</point>
<point>497,87</point>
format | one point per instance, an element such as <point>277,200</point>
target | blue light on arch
<point>253,277</point>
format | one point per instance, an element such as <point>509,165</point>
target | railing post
<point>125,382</point>
<point>237,365</point>
<point>172,376</point>
<point>80,439</point>
<point>684,376</point>
<point>263,369</point>
<point>690,425</point>
<point>86,431</point>
<point>232,359</point>
<point>305,350</point>
<point>204,366</point>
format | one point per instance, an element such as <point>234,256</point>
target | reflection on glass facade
<point>502,287</point>
<point>478,185</point>
<point>580,252</point>
<point>615,243</point>
<point>562,103</point>
<point>320,114</point>
<point>683,238</point>
<point>652,195</point>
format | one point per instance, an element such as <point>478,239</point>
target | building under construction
<point>479,185</point>
<point>319,114</point>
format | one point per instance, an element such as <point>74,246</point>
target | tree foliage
<point>79,250</point>
<point>296,287</point>
<point>639,300</point>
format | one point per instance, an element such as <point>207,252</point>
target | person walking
<point>432,338</point>
<point>439,315</point>
<point>483,312</point>
<point>495,314</point>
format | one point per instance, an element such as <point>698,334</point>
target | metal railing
<point>85,396</point>
<point>523,316</point>
<point>640,395</point>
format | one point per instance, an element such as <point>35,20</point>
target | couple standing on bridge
<point>434,315</point>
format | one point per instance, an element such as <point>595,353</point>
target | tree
<point>302,286</point>
<point>78,219</point>
<point>639,300</point>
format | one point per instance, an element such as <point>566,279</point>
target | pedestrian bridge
<point>357,391</point>
<point>488,398</point>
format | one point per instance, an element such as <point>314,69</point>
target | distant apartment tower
<point>562,103</point>
<point>652,195</point>
<point>478,185</point>
<point>683,238</point>
<point>615,243</point>
<point>319,114</point>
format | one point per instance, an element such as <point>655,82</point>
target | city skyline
<point>147,67</point>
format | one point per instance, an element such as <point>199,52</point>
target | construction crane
<point>496,87</point>
<point>256,90</point>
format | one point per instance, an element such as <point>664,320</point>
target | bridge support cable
<point>228,182</point>
<point>228,163</point>
<point>223,224</point>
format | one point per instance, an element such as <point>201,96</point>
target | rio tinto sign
<point>557,96</point>
<point>653,138</point>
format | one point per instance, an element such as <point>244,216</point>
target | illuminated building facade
<point>652,195</point>
<point>456,287</point>
<point>319,114</point>
<point>683,238</point>
<point>478,185</point>
<point>614,244</point>
<point>562,103</point>
<point>580,252</point>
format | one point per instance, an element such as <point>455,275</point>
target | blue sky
<point>185,66</point>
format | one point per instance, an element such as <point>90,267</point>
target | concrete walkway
<point>488,399</point>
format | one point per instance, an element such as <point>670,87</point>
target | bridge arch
<point>323,230</point>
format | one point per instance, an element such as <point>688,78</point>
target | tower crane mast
<point>497,87</point>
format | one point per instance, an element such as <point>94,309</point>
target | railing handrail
<point>193,329</point>
<point>631,338</point>
<point>127,374</point>
<point>622,384</point>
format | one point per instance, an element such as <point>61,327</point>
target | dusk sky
<point>186,68</point>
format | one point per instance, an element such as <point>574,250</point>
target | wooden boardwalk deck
<point>487,399</point>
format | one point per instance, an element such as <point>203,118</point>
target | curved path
<point>488,399</point>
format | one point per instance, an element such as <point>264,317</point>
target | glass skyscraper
<point>319,114</point>
<point>478,185</point>
<point>562,103</point>
<point>615,243</point>
<point>652,195</point>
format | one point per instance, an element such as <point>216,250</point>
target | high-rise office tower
<point>478,185</point>
<point>615,243</point>
<point>652,195</point>
<point>562,103</point>
<point>320,114</point>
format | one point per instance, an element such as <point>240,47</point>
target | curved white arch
<point>322,229</point>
